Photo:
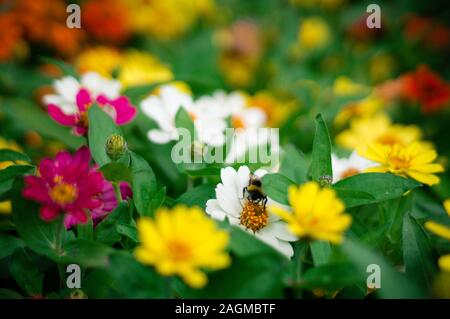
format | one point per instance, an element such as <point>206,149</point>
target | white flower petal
<point>159,136</point>
<point>229,203</point>
<point>214,210</point>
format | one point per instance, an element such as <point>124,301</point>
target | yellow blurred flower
<point>167,19</point>
<point>316,213</point>
<point>314,33</point>
<point>381,67</point>
<point>276,110</point>
<point>140,68</point>
<point>365,107</point>
<point>444,263</point>
<point>5,206</point>
<point>182,242</point>
<point>377,129</point>
<point>133,67</point>
<point>344,86</point>
<point>99,59</point>
<point>413,160</point>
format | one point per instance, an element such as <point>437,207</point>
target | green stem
<point>58,238</point>
<point>168,287</point>
<point>117,191</point>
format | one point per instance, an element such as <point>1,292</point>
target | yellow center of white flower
<point>63,193</point>
<point>254,216</point>
<point>349,172</point>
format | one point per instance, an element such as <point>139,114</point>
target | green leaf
<point>146,194</point>
<point>417,253</point>
<point>101,127</point>
<point>116,172</point>
<point>321,168</point>
<point>106,230</point>
<point>128,230</point>
<point>276,186</point>
<point>134,280</point>
<point>183,120</point>
<point>393,284</point>
<point>8,245</point>
<point>9,294</point>
<point>331,276</point>
<point>26,273</point>
<point>10,155</point>
<point>66,68</point>
<point>14,171</point>
<point>85,253</point>
<point>198,196</point>
<point>86,231</point>
<point>320,251</point>
<point>294,165</point>
<point>31,117</point>
<point>355,190</point>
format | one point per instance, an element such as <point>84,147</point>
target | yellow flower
<point>381,67</point>
<point>182,242</point>
<point>317,213</point>
<point>444,263</point>
<point>140,68</point>
<point>133,67</point>
<point>277,110</point>
<point>166,19</point>
<point>99,59</point>
<point>314,33</point>
<point>344,86</point>
<point>414,160</point>
<point>377,129</point>
<point>363,108</point>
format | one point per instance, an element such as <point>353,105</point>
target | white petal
<point>214,210</point>
<point>280,230</point>
<point>243,177</point>
<point>229,178</point>
<point>159,136</point>
<point>67,88</point>
<point>229,203</point>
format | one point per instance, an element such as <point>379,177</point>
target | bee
<point>254,191</point>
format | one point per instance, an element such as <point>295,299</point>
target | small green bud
<point>115,147</point>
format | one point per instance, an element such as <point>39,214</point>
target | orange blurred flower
<point>106,20</point>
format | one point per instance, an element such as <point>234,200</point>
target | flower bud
<point>115,147</point>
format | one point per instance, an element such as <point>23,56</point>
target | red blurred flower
<point>106,20</point>
<point>427,88</point>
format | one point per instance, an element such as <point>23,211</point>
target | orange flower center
<point>179,250</point>
<point>254,216</point>
<point>399,163</point>
<point>349,172</point>
<point>388,139</point>
<point>237,122</point>
<point>63,193</point>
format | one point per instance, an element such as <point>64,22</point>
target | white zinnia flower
<point>346,167</point>
<point>230,203</point>
<point>67,88</point>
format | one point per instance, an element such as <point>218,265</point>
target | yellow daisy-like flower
<point>414,161</point>
<point>377,129</point>
<point>316,213</point>
<point>182,242</point>
<point>276,110</point>
<point>102,60</point>
<point>344,86</point>
<point>314,33</point>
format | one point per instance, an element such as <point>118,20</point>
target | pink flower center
<point>63,193</point>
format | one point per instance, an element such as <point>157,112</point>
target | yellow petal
<point>424,178</point>
<point>447,206</point>
<point>438,229</point>
<point>444,263</point>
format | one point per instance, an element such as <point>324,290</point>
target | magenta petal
<point>125,111</point>
<point>80,130</point>
<point>59,116</point>
<point>83,100</point>
<point>48,213</point>
<point>69,221</point>
<point>79,164</point>
<point>79,215</point>
<point>102,100</point>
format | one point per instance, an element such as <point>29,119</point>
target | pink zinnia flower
<point>70,104</point>
<point>66,185</point>
<point>109,202</point>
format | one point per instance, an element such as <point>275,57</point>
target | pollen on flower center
<point>254,216</point>
<point>84,119</point>
<point>237,122</point>
<point>399,162</point>
<point>179,250</point>
<point>63,193</point>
